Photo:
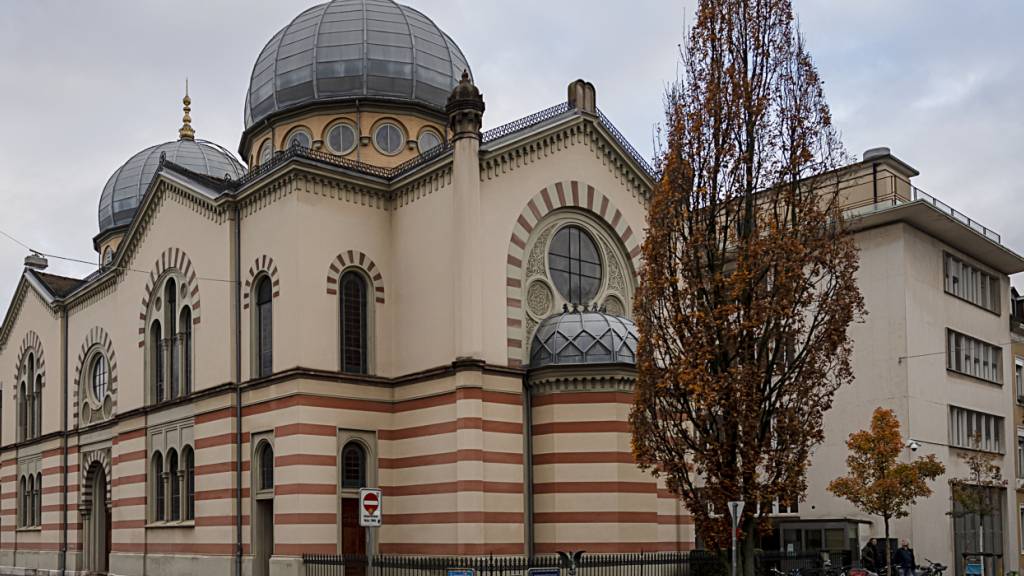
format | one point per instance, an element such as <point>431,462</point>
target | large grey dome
<point>126,186</point>
<point>583,337</point>
<point>348,49</point>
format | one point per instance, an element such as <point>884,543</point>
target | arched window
<point>266,462</point>
<point>30,399</point>
<point>37,397</point>
<point>353,466</point>
<point>157,360</point>
<point>39,499</point>
<point>175,481</point>
<point>99,377</point>
<point>264,327</point>
<point>189,458</point>
<point>30,500</point>
<point>22,504</point>
<point>186,351</point>
<point>158,486</point>
<point>171,307</point>
<point>575,265</point>
<point>353,323</point>
<point>23,412</point>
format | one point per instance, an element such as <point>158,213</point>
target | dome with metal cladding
<point>126,187</point>
<point>583,337</point>
<point>354,49</point>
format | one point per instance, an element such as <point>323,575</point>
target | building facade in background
<point>386,296</point>
<point>934,347</point>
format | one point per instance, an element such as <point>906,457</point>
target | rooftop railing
<point>916,194</point>
<point>919,194</point>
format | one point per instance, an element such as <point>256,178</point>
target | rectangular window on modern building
<point>975,430</point>
<point>973,357</point>
<point>970,283</point>
<point>1022,529</point>
<point>1020,453</point>
<point>1018,378</point>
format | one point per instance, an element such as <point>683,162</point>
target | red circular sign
<point>371,503</point>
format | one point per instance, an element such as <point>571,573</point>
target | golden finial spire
<point>186,132</point>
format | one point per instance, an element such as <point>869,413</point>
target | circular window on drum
<point>266,151</point>
<point>575,265</point>
<point>99,377</point>
<point>341,138</point>
<point>389,138</point>
<point>428,141</point>
<point>299,138</point>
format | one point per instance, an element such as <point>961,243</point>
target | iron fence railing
<point>696,563</point>
<point>525,122</point>
<point>625,144</point>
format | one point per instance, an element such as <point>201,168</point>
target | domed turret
<point>578,337</point>
<point>354,49</point>
<point>128,184</point>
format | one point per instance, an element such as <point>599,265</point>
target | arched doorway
<point>263,509</point>
<point>96,520</point>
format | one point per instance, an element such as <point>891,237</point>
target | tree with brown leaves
<point>748,284</point>
<point>877,482</point>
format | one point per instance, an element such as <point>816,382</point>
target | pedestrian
<point>868,556</point>
<point>904,559</point>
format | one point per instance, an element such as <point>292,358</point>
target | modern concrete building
<point>1017,441</point>
<point>387,296</point>
<point>935,347</point>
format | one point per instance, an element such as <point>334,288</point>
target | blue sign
<point>461,572</point>
<point>974,569</point>
<point>544,572</point>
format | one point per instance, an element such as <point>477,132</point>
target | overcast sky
<point>86,84</point>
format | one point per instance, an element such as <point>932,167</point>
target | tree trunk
<point>888,555</point>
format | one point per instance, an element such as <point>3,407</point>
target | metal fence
<point>697,563</point>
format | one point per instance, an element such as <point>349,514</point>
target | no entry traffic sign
<point>370,502</point>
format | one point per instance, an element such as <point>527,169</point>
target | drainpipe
<point>874,181</point>
<point>527,468</point>
<point>238,389</point>
<point>64,448</point>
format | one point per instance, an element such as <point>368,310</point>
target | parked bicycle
<point>932,569</point>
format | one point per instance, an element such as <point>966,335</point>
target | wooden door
<point>353,537</point>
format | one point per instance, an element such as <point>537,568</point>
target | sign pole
<point>735,511</point>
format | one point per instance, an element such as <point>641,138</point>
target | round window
<point>266,151</point>
<point>389,138</point>
<point>341,138</point>
<point>300,138</point>
<point>575,265</point>
<point>428,140</point>
<point>108,256</point>
<point>99,378</point>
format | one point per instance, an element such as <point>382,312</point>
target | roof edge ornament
<point>465,109</point>
<point>186,132</point>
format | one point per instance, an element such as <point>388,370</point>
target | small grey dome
<point>347,49</point>
<point>126,186</point>
<point>583,337</point>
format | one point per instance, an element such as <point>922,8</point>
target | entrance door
<point>97,534</point>
<point>263,536</point>
<point>353,537</point>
